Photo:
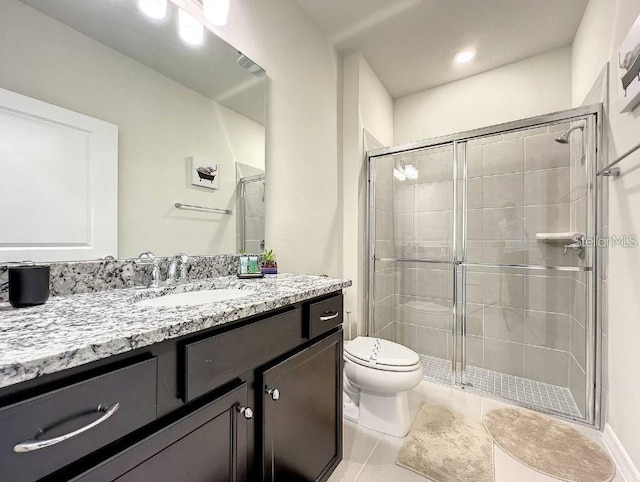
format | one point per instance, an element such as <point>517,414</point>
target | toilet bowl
<point>377,376</point>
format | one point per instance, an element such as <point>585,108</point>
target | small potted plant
<point>269,264</point>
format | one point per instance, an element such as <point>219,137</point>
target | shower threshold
<point>523,391</point>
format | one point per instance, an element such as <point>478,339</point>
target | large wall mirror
<point>108,119</point>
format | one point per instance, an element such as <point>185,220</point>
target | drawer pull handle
<point>329,315</point>
<point>246,412</point>
<point>31,445</point>
<point>274,393</point>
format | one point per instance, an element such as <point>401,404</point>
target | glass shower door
<point>414,253</point>
<point>525,278</point>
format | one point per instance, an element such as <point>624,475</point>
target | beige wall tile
<point>384,226</point>
<point>505,324</point>
<point>406,335</point>
<point>504,157</point>
<point>435,166</point>
<point>434,283</point>
<point>434,196</point>
<point>546,219</point>
<point>432,342</point>
<point>578,343</point>
<point>578,301</point>
<point>387,333</point>
<point>504,356</point>
<point>543,293</point>
<point>547,187</point>
<point>474,350</point>
<point>550,330</point>
<point>504,252</point>
<point>475,161</point>
<point>426,312</point>
<point>504,223</point>
<point>405,280</point>
<point>547,366</point>
<point>504,190</point>
<point>384,313</point>
<point>475,224</point>
<point>403,199</point>
<point>475,193</point>
<point>504,290</point>
<point>402,228</point>
<point>543,152</point>
<point>435,226</point>
<point>578,385</point>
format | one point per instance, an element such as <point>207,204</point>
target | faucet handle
<point>183,266</point>
<point>147,258</point>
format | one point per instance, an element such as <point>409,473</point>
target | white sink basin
<point>194,298</point>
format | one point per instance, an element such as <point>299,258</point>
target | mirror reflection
<point>110,119</point>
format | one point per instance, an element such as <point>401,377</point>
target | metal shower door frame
<point>592,114</point>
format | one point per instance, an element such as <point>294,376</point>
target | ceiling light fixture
<point>216,11</point>
<point>465,56</point>
<point>191,30</point>
<point>155,9</point>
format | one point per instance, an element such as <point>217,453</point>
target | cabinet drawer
<point>214,361</point>
<point>98,410</point>
<point>323,316</point>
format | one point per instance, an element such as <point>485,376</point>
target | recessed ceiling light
<point>465,56</point>
<point>216,11</point>
<point>155,9</point>
<point>190,29</point>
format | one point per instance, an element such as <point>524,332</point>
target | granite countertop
<point>73,330</point>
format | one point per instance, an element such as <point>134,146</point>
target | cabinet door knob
<point>246,412</point>
<point>274,393</point>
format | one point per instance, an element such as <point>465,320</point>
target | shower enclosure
<point>250,192</point>
<point>481,260</point>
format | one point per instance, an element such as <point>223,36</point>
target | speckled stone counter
<point>73,330</point>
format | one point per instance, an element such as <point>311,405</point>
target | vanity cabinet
<point>260,399</point>
<point>208,444</point>
<point>302,403</point>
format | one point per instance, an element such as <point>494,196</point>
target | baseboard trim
<point>623,462</point>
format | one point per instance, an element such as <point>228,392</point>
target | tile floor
<point>370,456</point>
<point>526,392</point>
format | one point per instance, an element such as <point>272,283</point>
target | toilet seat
<point>381,354</point>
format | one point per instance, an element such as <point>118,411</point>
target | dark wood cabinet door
<point>207,445</point>
<point>302,426</point>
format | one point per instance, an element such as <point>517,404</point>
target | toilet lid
<point>371,351</point>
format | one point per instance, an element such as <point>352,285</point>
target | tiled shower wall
<point>520,322</point>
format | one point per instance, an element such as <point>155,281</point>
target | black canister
<point>28,285</point>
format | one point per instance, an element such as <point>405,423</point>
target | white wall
<point>366,105</point>
<point>603,27</point>
<point>303,219</point>
<point>160,124</point>
<point>534,86</point>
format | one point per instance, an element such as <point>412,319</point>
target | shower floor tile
<point>529,393</point>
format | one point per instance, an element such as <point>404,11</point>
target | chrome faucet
<point>181,259</point>
<point>149,258</point>
<point>578,244</point>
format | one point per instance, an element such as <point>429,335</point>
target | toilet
<point>377,377</point>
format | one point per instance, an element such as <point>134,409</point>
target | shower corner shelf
<point>559,237</point>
